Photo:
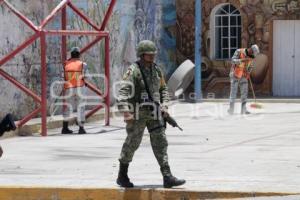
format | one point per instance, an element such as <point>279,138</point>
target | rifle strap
<point>145,81</point>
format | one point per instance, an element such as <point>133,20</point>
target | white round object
<point>181,78</point>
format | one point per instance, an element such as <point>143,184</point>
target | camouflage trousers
<point>235,83</point>
<point>135,131</point>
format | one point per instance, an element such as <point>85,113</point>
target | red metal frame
<point>42,33</point>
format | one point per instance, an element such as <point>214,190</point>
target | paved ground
<point>216,152</point>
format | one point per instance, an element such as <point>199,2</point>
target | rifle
<point>166,116</point>
<point>170,120</point>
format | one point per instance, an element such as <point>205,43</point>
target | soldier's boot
<point>244,110</point>
<point>65,129</point>
<point>81,130</point>
<point>7,124</point>
<point>231,109</point>
<point>123,179</point>
<point>170,180</point>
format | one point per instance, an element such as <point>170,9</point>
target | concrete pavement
<point>256,154</point>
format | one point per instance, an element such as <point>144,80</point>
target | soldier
<point>74,71</point>
<point>140,96</point>
<point>242,64</point>
<point>7,124</point>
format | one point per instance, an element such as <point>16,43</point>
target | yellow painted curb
<point>23,193</point>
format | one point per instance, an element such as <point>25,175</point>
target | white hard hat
<point>255,50</point>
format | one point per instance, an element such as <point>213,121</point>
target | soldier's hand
<point>128,117</point>
<point>164,110</point>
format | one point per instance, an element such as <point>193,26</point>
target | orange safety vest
<point>73,74</point>
<point>241,69</point>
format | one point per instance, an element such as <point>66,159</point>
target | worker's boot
<point>7,124</point>
<point>65,129</point>
<point>123,179</point>
<point>169,179</point>
<point>244,110</point>
<point>81,130</point>
<point>231,109</point>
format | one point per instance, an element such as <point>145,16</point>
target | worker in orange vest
<point>74,89</point>
<point>242,65</point>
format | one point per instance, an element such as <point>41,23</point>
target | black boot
<point>231,109</point>
<point>244,110</point>
<point>81,130</point>
<point>65,129</point>
<point>123,179</point>
<point>7,124</point>
<point>171,181</point>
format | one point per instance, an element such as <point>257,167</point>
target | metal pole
<point>44,83</point>
<point>61,5</point>
<point>107,75</point>
<point>83,16</point>
<point>64,38</point>
<point>19,48</point>
<point>108,14</point>
<point>198,56</point>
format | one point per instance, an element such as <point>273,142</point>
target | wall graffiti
<point>131,21</point>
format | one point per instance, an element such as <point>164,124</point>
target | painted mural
<point>257,17</point>
<point>131,21</point>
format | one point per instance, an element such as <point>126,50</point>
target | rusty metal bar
<point>20,48</point>
<point>107,75</point>
<point>83,16</point>
<point>108,14</point>
<point>20,86</point>
<point>93,88</point>
<point>62,4</point>
<point>44,83</point>
<point>28,117</point>
<point>91,44</point>
<point>64,38</point>
<point>67,32</point>
<point>90,113</point>
<point>22,17</point>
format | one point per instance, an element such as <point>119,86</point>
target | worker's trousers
<point>235,83</point>
<point>75,100</point>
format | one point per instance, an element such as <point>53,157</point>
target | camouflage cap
<point>146,47</point>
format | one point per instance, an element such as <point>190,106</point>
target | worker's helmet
<point>255,50</point>
<point>75,50</point>
<point>146,47</point>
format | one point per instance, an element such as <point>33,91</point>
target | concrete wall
<point>132,21</point>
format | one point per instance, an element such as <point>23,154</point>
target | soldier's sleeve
<point>236,58</point>
<point>165,97</point>
<point>125,91</point>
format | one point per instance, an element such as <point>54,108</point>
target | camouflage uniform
<point>145,113</point>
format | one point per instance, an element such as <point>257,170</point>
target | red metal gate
<point>41,33</point>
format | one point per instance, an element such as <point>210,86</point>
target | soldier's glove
<point>164,111</point>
